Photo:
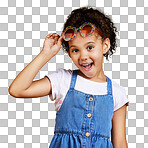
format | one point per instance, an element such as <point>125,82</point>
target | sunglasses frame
<point>80,30</point>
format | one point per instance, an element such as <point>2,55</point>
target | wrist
<point>46,55</point>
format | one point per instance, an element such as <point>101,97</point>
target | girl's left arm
<point>118,132</point>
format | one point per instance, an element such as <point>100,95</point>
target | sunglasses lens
<point>86,30</point>
<point>69,33</point>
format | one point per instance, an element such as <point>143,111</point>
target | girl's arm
<point>23,85</point>
<point>118,133</point>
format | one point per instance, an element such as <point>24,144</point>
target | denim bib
<point>84,120</point>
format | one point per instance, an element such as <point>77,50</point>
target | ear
<point>106,45</point>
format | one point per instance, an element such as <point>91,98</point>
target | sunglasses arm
<point>99,32</point>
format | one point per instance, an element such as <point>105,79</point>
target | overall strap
<point>109,86</point>
<point>73,79</point>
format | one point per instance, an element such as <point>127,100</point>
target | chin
<point>88,74</point>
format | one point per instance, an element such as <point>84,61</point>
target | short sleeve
<point>120,98</point>
<point>55,79</point>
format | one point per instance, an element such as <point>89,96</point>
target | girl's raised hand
<point>52,44</point>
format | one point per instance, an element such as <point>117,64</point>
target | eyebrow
<point>84,44</point>
<point>72,46</point>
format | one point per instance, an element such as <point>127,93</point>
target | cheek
<point>74,58</point>
<point>98,55</point>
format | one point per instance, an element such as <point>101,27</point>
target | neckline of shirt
<point>93,82</point>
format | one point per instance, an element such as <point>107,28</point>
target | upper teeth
<point>85,65</point>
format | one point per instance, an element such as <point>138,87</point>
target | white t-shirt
<point>60,82</point>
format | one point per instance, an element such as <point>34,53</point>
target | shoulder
<point>61,77</point>
<point>60,73</point>
<point>64,71</point>
<point>117,87</point>
<point>60,82</point>
<point>119,95</point>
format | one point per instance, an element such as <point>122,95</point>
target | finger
<point>60,41</point>
<point>55,36</point>
<point>61,38</point>
<point>52,36</point>
<point>62,33</point>
<point>49,35</point>
<point>56,39</point>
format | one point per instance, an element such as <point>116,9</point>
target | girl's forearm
<point>122,143</point>
<point>26,76</point>
<point>23,83</point>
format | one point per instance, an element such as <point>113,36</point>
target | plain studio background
<point>29,123</point>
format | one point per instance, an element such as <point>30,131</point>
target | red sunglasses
<point>85,29</point>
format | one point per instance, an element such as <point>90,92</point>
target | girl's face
<point>87,54</point>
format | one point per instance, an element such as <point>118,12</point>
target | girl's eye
<point>75,50</point>
<point>90,47</point>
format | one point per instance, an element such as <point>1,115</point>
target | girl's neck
<point>100,78</point>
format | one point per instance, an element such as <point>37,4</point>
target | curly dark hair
<point>99,19</point>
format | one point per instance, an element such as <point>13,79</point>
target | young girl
<point>90,107</point>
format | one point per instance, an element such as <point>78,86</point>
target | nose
<point>83,55</point>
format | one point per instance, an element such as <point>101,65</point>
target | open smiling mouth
<point>87,67</point>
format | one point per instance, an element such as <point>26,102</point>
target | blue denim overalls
<point>84,120</point>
